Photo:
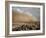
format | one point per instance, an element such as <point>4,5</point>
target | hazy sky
<point>29,10</point>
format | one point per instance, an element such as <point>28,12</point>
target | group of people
<point>27,27</point>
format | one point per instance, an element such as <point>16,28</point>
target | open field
<point>26,26</point>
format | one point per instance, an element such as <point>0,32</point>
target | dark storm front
<point>25,18</point>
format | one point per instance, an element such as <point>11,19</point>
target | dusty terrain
<point>24,22</point>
